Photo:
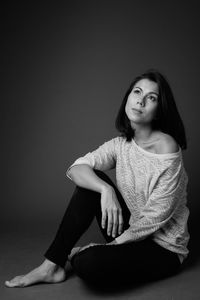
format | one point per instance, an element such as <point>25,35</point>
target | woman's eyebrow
<point>148,93</point>
<point>154,93</point>
<point>137,87</point>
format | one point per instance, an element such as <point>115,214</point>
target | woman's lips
<point>137,110</point>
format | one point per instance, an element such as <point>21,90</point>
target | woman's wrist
<point>105,187</point>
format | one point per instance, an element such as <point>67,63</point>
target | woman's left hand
<point>112,243</point>
<point>96,244</point>
<point>76,250</point>
<point>89,245</point>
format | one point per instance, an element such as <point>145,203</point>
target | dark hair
<point>167,119</point>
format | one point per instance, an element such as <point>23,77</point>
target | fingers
<point>103,219</point>
<point>74,251</point>
<point>111,212</point>
<point>114,222</point>
<point>110,222</point>
<point>120,225</point>
<point>117,222</point>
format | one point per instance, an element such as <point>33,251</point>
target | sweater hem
<point>181,255</point>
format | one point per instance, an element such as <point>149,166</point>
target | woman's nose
<point>141,101</point>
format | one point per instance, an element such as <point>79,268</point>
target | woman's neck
<point>144,134</point>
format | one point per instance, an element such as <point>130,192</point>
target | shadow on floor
<point>117,288</point>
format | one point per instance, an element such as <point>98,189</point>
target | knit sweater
<point>154,187</point>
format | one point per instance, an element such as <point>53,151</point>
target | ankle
<point>49,264</point>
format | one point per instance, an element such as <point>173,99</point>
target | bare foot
<point>46,272</point>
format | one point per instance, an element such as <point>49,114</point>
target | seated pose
<point>144,216</point>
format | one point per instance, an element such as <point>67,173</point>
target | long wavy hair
<point>167,117</point>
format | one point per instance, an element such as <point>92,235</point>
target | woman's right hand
<point>111,212</point>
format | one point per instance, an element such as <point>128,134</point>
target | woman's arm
<point>103,158</point>
<point>84,176</point>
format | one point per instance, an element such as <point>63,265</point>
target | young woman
<point>143,218</point>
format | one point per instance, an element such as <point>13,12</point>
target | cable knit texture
<point>154,187</point>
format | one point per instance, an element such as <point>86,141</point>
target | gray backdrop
<point>65,71</point>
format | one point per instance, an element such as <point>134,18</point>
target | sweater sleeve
<point>169,189</point>
<point>103,158</point>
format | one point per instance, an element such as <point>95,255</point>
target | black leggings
<point>139,260</point>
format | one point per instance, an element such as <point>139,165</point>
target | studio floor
<point>22,250</point>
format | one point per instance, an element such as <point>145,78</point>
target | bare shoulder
<point>167,144</point>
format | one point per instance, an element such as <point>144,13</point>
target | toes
<point>14,282</point>
<point>7,283</point>
<point>10,283</point>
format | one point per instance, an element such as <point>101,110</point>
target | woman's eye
<point>152,98</point>
<point>136,91</point>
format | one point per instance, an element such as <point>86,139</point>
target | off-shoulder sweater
<point>154,187</point>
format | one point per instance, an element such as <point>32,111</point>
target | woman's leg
<point>131,262</point>
<point>83,207</point>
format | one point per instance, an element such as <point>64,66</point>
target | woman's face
<point>142,102</point>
